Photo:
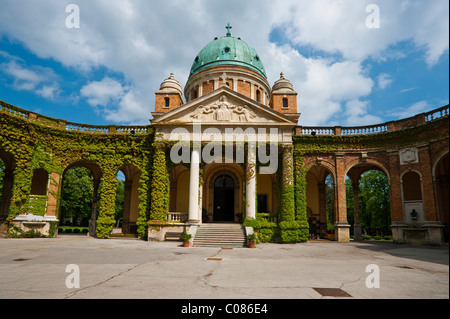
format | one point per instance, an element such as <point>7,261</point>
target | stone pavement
<point>134,269</point>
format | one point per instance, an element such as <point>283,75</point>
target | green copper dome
<point>225,51</point>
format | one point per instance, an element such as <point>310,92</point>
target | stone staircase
<point>220,235</point>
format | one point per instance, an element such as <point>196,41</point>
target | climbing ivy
<point>32,145</point>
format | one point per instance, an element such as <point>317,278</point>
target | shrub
<point>377,237</point>
<point>387,237</point>
<point>68,230</point>
<point>366,237</point>
<point>32,234</point>
<point>77,230</point>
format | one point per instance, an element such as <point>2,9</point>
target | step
<point>220,235</point>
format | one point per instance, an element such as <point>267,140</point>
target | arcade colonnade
<point>413,153</point>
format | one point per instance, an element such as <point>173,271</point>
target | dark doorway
<point>224,199</point>
<point>262,203</point>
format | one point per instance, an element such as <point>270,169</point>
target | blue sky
<point>106,71</point>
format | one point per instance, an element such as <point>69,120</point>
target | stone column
<point>93,220</point>
<point>395,197</point>
<point>341,226</point>
<point>194,186</point>
<point>357,225</point>
<point>250,184</point>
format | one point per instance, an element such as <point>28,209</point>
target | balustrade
<point>177,217</point>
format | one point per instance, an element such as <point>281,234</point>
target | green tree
<point>77,193</point>
<point>329,196</point>
<point>120,193</point>
<point>374,205</point>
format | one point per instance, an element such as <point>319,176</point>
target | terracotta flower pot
<point>251,245</point>
<point>185,244</point>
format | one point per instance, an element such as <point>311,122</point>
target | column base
<point>342,232</point>
<point>357,232</point>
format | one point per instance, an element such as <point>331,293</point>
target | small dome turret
<point>282,85</point>
<point>170,85</point>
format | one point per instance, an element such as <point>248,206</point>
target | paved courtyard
<point>119,268</point>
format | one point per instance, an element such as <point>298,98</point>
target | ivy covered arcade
<point>163,195</point>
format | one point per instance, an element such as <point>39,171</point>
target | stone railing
<point>436,114</point>
<point>363,130</point>
<point>106,129</point>
<point>69,126</point>
<point>374,129</point>
<point>299,130</point>
<point>176,217</point>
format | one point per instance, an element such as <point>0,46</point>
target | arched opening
<point>211,172</point>
<point>127,199</point>
<point>179,194</point>
<point>224,199</point>
<point>39,182</point>
<point>413,212</point>
<point>6,183</point>
<point>368,201</point>
<point>368,204</point>
<point>442,191</point>
<point>120,192</point>
<point>79,197</point>
<point>258,95</point>
<point>76,198</point>
<point>320,201</point>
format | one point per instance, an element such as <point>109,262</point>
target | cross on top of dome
<point>228,27</point>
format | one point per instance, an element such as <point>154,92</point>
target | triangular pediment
<point>224,107</point>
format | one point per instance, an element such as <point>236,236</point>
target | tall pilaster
<point>341,226</point>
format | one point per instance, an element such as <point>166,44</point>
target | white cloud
<point>339,27</point>
<point>416,108</point>
<point>384,80</point>
<point>101,93</point>
<point>145,41</point>
<point>42,81</point>
<point>114,101</point>
<point>356,114</point>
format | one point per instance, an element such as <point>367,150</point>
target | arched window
<point>258,96</point>
<point>285,103</point>
<point>167,102</point>
<point>39,182</point>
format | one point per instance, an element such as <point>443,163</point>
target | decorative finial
<point>171,75</point>
<point>281,75</point>
<point>228,27</point>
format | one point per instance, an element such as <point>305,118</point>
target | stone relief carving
<point>408,156</point>
<point>224,111</point>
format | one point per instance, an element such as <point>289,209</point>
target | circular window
<point>257,58</point>
<point>227,49</point>
<point>196,59</point>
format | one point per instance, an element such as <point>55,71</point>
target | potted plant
<point>185,238</point>
<point>251,240</point>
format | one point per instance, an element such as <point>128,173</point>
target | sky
<point>352,62</point>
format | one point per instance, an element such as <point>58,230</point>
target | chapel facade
<point>228,150</point>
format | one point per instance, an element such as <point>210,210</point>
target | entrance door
<point>224,199</point>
